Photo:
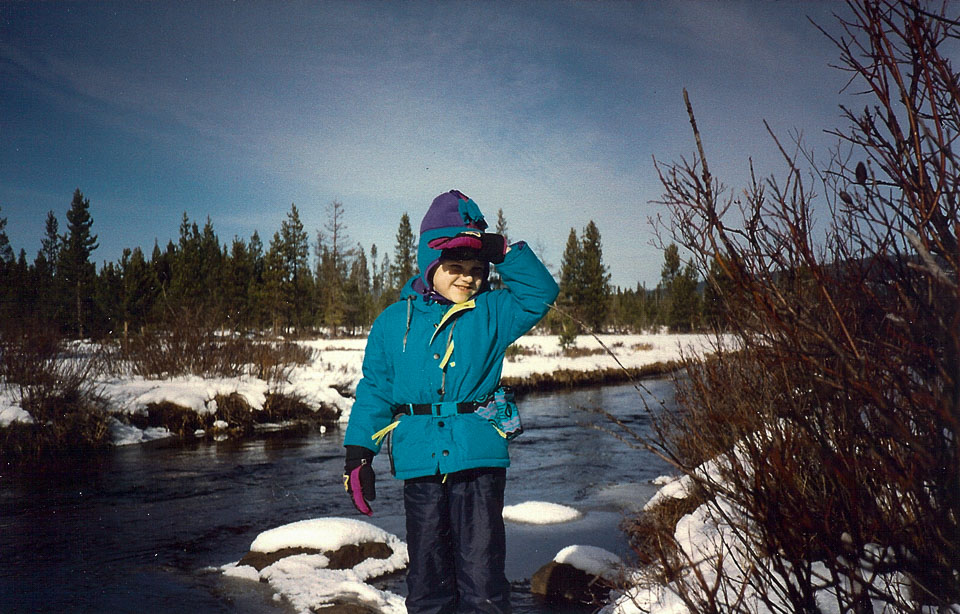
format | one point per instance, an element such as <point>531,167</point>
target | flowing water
<point>143,528</point>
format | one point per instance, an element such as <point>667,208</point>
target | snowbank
<point>539,512</point>
<point>706,537</point>
<point>131,395</point>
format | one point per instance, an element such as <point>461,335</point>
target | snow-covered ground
<point>716,549</point>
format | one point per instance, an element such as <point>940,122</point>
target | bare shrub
<point>515,351</point>
<point>834,426</point>
<point>166,414</point>
<point>55,382</point>
<point>193,346</point>
<point>651,533</point>
<point>281,406</point>
<point>573,351</point>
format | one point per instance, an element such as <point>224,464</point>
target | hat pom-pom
<point>471,214</point>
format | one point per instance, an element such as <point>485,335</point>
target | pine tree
<point>595,280</point>
<point>332,268</point>
<point>376,275</point>
<point>45,265</point>
<point>141,289</point>
<point>8,289</point>
<point>211,272</point>
<point>238,276</point>
<point>195,274</point>
<point>404,255</point>
<point>256,289</point>
<point>46,282</point>
<point>678,284</point>
<point>18,292</point>
<point>273,299</point>
<point>295,252</point>
<point>6,251</point>
<point>108,300</point>
<point>715,295</point>
<point>186,277</point>
<point>387,296</point>
<point>162,263</point>
<point>571,285</point>
<point>50,244</point>
<point>502,225</point>
<point>495,280</point>
<point>74,263</point>
<point>357,292</point>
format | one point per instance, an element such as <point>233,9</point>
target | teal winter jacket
<point>427,352</point>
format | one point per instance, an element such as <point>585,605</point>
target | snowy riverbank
<point>331,379</point>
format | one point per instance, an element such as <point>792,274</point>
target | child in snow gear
<point>431,385</point>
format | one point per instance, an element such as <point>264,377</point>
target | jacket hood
<point>449,214</point>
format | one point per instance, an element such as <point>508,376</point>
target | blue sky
<point>552,111</point>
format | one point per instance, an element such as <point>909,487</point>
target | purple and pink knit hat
<point>453,221</point>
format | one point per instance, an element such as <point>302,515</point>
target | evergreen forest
<point>295,284</point>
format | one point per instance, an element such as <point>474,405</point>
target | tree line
<point>587,302</point>
<point>290,284</point>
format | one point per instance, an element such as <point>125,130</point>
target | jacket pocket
<point>412,447</point>
<point>479,441</point>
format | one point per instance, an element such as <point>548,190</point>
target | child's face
<point>458,280</point>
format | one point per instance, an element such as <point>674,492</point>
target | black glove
<point>493,248</point>
<point>359,479</point>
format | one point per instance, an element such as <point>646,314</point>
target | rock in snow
<point>326,563</point>
<point>577,574</point>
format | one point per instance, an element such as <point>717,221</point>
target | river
<point>143,528</point>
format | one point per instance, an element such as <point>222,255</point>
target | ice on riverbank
<point>124,434</point>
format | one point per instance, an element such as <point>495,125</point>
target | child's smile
<point>458,280</point>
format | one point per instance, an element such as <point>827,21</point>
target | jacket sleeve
<point>373,408</point>
<point>530,290</point>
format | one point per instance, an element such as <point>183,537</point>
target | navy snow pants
<point>457,543</point>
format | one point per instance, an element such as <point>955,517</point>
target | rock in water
<point>563,583</point>
<point>345,557</point>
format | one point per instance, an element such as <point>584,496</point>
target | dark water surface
<point>142,528</point>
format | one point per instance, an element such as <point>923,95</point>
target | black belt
<point>427,409</point>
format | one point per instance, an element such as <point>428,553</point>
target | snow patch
<point>13,413</point>
<point>540,512</point>
<point>592,560</point>
<point>319,534</point>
